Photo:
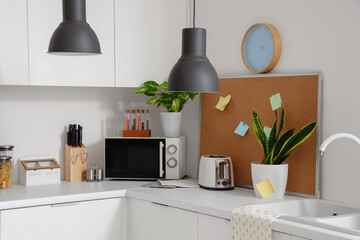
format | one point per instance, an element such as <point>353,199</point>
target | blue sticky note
<point>241,129</point>
<point>275,101</point>
<point>267,131</point>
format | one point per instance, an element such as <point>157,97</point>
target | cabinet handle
<point>160,204</point>
<point>161,157</point>
<point>65,204</point>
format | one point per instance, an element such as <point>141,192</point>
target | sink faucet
<point>335,137</point>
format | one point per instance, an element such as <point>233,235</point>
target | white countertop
<point>18,196</point>
<point>214,203</point>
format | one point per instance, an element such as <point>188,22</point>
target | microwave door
<point>134,158</point>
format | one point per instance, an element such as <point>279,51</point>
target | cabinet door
<point>148,220</point>
<point>148,39</point>
<point>213,228</point>
<point>280,236</point>
<point>52,70</point>
<point>13,42</point>
<point>91,220</point>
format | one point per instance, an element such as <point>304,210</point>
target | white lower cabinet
<point>213,228</point>
<point>90,220</point>
<point>298,238</point>
<point>152,221</point>
<point>283,236</point>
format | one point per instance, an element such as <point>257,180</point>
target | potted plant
<point>173,102</point>
<point>277,148</point>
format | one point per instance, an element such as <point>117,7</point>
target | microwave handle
<point>161,158</point>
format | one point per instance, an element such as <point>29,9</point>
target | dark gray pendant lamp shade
<point>74,36</point>
<point>193,72</point>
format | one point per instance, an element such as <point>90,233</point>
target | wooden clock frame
<point>277,48</point>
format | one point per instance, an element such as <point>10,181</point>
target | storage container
<point>6,172</point>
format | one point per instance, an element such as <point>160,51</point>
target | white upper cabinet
<point>148,39</point>
<point>13,43</point>
<point>52,70</point>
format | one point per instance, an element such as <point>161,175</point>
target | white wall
<point>317,35</point>
<point>34,120</point>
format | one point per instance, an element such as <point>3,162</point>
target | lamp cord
<point>194,14</point>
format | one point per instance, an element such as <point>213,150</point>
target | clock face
<point>258,48</point>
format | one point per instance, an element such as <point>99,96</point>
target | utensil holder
<point>75,163</point>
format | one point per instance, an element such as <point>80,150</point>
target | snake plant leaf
<point>297,139</point>
<point>282,121</point>
<point>257,117</point>
<point>152,101</point>
<point>257,135</point>
<point>272,136</point>
<point>284,157</point>
<point>260,134</point>
<point>280,143</point>
<point>268,159</point>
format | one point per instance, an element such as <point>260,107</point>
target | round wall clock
<point>261,48</point>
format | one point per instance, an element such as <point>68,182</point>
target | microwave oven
<point>145,158</point>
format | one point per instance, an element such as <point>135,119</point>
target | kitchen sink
<point>351,221</point>
<point>320,213</point>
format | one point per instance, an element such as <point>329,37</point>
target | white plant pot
<point>278,175</point>
<point>171,123</point>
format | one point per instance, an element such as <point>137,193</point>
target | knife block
<point>75,163</point>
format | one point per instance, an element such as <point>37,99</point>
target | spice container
<point>133,117</point>
<point>147,119</point>
<point>6,172</point>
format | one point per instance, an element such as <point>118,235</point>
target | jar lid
<point>5,158</point>
<point>6,148</point>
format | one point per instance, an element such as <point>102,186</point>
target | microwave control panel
<point>175,158</point>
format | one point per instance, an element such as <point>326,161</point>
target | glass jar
<point>7,150</point>
<point>6,172</point>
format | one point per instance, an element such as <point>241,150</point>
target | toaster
<point>216,172</point>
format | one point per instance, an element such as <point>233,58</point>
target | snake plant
<point>278,148</point>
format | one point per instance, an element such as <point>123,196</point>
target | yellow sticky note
<point>223,101</point>
<point>265,188</point>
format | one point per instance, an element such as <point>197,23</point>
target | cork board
<point>300,98</point>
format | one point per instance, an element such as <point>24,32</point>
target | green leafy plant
<point>172,101</point>
<point>278,148</point>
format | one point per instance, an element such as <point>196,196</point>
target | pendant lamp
<point>74,36</point>
<point>193,72</point>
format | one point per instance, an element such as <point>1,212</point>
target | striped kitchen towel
<point>250,222</point>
